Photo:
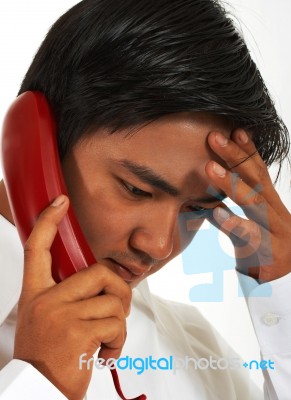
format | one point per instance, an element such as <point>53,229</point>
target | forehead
<point>173,129</point>
<point>174,147</point>
<point>177,138</point>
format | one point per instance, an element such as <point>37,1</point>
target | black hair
<point>123,63</point>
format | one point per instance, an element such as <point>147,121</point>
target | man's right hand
<point>57,323</point>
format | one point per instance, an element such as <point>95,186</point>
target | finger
<point>253,247</point>
<point>92,281</point>
<point>240,231</point>
<point>110,333</point>
<point>99,307</point>
<point>244,142</point>
<point>37,257</point>
<point>253,203</point>
<point>237,152</point>
<point>241,156</point>
<point>244,234</point>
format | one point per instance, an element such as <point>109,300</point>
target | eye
<point>197,208</point>
<point>196,212</point>
<point>135,191</point>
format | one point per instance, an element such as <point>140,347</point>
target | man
<point>154,103</point>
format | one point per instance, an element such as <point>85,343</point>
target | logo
<point>171,363</point>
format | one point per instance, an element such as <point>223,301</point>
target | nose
<point>155,234</point>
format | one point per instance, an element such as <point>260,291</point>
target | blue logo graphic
<point>263,364</point>
<point>205,254</point>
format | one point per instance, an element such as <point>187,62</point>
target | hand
<point>260,243</point>
<point>59,322</point>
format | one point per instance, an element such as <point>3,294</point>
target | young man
<point>155,102</point>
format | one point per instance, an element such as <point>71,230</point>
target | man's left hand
<point>261,242</point>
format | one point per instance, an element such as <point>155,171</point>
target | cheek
<point>95,202</point>
<point>103,221</point>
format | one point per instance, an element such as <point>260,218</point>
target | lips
<point>127,273</point>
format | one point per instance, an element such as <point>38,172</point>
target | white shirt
<point>161,329</point>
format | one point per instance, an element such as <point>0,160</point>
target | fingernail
<point>243,137</point>
<point>221,140</point>
<point>58,201</point>
<point>218,170</point>
<point>222,215</point>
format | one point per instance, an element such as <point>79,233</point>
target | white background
<point>266,27</point>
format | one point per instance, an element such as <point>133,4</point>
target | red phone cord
<point>118,388</point>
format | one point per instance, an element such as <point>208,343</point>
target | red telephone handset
<point>33,179</point>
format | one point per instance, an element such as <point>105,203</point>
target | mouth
<point>126,272</point>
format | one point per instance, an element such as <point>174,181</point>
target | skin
<point>148,234</point>
<point>141,227</point>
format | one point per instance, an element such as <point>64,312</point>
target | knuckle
<point>232,222</point>
<point>102,274</point>
<point>23,302</point>
<point>257,199</point>
<point>111,329</point>
<point>237,229</point>
<point>118,331</point>
<point>30,254</point>
<point>234,156</point>
<point>116,307</point>
<point>28,246</point>
<point>236,153</point>
<point>38,308</point>
<point>74,333</point>
<point>42,309</point>
<point>127,292</point>
<point>29,251</point>
<point>126,300</point>
<point>116,328</point>
<point>96,271</point>
<point>255,229</point>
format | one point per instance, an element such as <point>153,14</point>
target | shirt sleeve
<point>20,380</point>
<point>269,305</point>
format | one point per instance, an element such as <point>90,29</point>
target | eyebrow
<point>147,175</point>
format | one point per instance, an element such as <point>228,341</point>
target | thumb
<point>37,257</point>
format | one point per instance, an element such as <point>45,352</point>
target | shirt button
<point>271,319</point>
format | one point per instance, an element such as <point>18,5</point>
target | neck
<point>4,204</point>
